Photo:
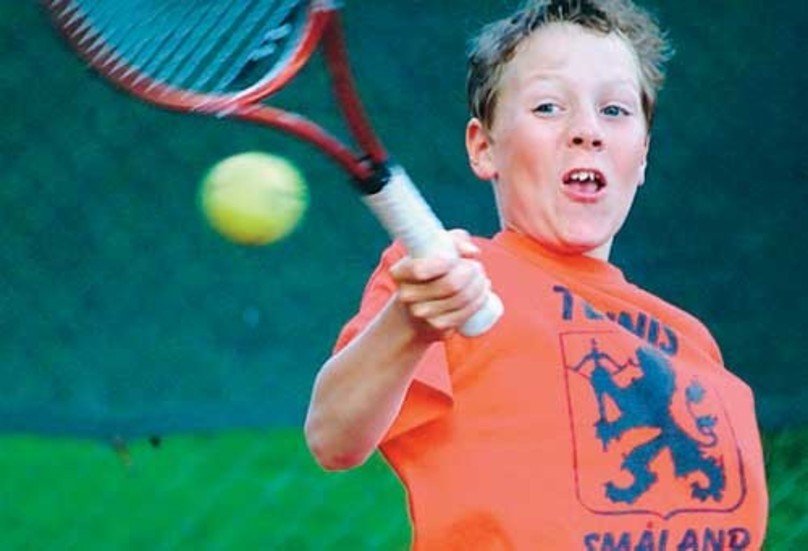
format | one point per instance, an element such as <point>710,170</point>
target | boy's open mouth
<point>585,180</point>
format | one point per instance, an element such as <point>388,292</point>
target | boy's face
<point>567,148</point>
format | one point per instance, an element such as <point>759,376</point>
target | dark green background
<point>122,314</point>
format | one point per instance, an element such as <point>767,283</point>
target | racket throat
<point>376,177</point>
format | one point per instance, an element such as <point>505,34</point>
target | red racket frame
<point>387,189</point>
<point>323,28</point>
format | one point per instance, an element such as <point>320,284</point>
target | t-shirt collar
<point>572,265</point>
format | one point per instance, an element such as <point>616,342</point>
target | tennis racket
<point>225,58</point>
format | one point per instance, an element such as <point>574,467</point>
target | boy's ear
<point>645,159</point>
<point>478,148</point>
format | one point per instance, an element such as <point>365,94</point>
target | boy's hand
<point>439,293</point>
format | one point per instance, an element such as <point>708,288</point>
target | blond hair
<point>497,43</point>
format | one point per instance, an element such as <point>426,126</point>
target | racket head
<point>194,55</point>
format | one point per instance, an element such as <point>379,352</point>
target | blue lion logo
<point>646,403</point>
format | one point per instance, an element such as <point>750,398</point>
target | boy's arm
<point>359,390</point>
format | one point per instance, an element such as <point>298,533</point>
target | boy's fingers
<point>457,282</point>
<point>447,303</point>
<point>456,318</point>
<point>421,269</point>
<point>464,244</point>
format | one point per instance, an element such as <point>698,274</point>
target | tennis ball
<point>253,198</point>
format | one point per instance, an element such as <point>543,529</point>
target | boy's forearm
<point>359,390</point>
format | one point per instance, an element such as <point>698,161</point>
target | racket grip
<point>406,216</point>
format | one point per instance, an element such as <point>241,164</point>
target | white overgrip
<point>405,214</point>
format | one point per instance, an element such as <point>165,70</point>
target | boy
<point>593,415</point>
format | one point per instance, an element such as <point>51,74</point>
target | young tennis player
<point>593,415</point>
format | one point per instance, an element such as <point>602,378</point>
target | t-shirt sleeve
<point>430,393</point>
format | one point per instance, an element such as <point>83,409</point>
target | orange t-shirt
<point>593,416</point>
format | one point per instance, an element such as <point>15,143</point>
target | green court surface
<point>231,491</point>
<point>253,490</point>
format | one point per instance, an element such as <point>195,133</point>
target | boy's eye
<point>546,108</point>
<point>615,111</point>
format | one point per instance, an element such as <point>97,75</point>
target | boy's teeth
<point>584,176</point>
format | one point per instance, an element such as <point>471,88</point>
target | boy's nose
<point>589,141</point>
<point>585,132</point>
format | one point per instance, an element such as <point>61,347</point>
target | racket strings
<point>250,51</point>
<point>203,46</point>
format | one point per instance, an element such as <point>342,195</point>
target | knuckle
<point>459,233</point>
<point>420,273</point>
<point>422,269</point>
<point>466,295</point>
<point>406,294</point>
<point>479,301</point>
<point>399,267</point>
<point>455,283</point>
<point>420,310</point>
<point>465,275</point>
<point>442,323</point>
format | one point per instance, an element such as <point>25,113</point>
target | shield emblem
<point>650,434</point>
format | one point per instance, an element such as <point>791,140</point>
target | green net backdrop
<point>123,315</point>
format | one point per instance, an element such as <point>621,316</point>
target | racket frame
<point>385,187</point>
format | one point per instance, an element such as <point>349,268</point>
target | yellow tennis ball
<point>254,198</point>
